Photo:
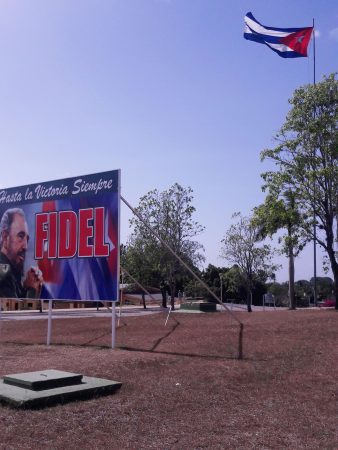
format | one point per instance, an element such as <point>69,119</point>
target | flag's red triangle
<point>298,41</point>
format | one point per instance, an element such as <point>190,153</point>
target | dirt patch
<point>183,386</point>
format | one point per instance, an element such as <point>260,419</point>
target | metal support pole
<point>221,287</point>
<point>121,299</point>
<point>49,329</point>
<point>0,312</point>
<point>180,259</point>
<point>168,315</point>
<point>240,343</point>
<point>314,260</point>
<point>314,184</point>
<point>113,325</point>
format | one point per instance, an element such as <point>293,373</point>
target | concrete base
<point>44,388</point>
<point>199,306</point>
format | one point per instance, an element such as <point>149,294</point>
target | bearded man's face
<point>16,242</point>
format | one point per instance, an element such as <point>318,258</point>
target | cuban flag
<point>286,42</point>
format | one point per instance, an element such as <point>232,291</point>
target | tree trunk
<point>292,279</point>
<point>249,300</point>
<point>335,276</point>
<point>172,295</point>
<point>163,288</point>
<point>164,297</point>
<point>292,300</point>
<point>144,301</point>
<point>334,265</point>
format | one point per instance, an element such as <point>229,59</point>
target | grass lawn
<point>183,385</point>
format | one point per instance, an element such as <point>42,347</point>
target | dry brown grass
<point>183,387</point>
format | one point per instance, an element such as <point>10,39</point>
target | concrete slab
<point>199,306</point>
<point>187,311</point>
<point>46,379</point>
<point>22,397</point>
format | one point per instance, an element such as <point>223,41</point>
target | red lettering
<point>101,248</point>
<point>52,235</point>
<point>41,234</point>
<point>67,234</point>
<point>85,232</point>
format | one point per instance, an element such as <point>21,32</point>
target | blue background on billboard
<point>85,278</point>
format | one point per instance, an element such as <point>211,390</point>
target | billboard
<point>60,239</point>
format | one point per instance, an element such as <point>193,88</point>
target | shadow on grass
<point>239,356</point>
<point>189,355</point>
<point>153,346</point>
<point>157,343</point>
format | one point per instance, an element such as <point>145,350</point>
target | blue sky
<point>166,90</point>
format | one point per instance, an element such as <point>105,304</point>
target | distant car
<point>328,303</point>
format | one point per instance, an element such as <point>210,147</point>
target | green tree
<point>212,276</point>
<point>170,215</point>
<point>235,284</point>
<point>254,260</point>
<point>280,292</point>
<point>141,261</point>
<point>306,159</point>
<point>280,212</point>
<point>325,287</point>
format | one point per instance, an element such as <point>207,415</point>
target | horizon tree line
<point>302,199</point>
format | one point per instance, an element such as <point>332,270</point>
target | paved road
<point>125,312</point>
<point>76,313</point>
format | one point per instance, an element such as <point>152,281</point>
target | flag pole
<point>314,184</point>
<point>314,52</point>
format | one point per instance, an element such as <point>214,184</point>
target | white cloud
<point>334,34</point>
<point>317,34</point>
